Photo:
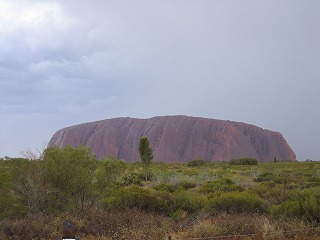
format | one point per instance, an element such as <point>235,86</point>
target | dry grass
<point>134,224</point>
<point>222,225</point>
<point>289,229</point>
<point>127,224</point>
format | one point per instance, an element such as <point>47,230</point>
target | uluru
<point>176,139</point>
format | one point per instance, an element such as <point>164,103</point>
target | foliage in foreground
<point>36,196</point>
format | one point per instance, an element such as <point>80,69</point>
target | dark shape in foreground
<point>68,229</point>
<point>176,139</point>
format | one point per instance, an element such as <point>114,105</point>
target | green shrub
<point>305,206</point>
<point>291,208</point>
<point>133,179</point>
<point>265,177</point>
<point>311,182</point>
<point>312,207</point>
<point>187,201</point>
<point>314,179</point>
<point>113,169</point>
<point>196,163</point>
<point>178,214</point>
<point>244,161</point>
<point>166,202</point>
<point>263,188</point>
<point>133,197</point>
<point>220,185</point>
<point>153,201</point>
<point>186,185</point>
<point>236,202</point>
<point>166,187</point>
<point>5,196</point>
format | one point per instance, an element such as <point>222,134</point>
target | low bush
<point>166,202</point>
<point>196,163</point>
<point>178,214</point>
<point>263,188</point>
<point>265,177</point>
<point>183,185</point>
<point>187,201</point>
<point>133,197</point>
<point>291,208</point>
<point>244,161</point>
<point>150,200</point>
<point>236,202</point>
<point>186,184</point>
<point>220,185</point>
<point>305,206</point>
<point>166,187</point>
<point>133,179</point>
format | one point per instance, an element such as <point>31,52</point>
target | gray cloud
<point>67,62</point>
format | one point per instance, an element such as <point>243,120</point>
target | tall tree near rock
<point>146,155</point>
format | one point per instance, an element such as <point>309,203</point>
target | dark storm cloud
<point>67,62</point>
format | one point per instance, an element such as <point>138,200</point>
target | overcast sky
<point>73,61</point>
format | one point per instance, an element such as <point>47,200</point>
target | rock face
<point>176,139</point>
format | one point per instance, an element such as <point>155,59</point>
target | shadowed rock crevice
<point>176,139</point>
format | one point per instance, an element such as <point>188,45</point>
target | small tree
<point>73,173</point>
<point>113,168</point>
<point>146,155</point>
